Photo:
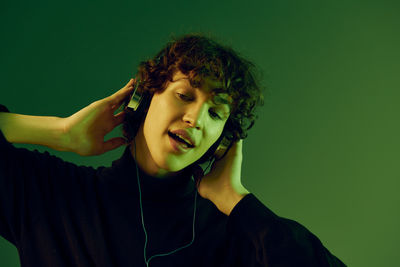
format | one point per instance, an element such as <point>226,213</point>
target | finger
<point>113,143</point>
<point>119,118</point>
<point>239,146</point>
<point>121,94</point>
<point>117,100</point>
<point>130,83</point>
<point>236,148</point>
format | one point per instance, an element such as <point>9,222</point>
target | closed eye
<point>187,99</point>
<point>215,115</point>
<point>183,97</point>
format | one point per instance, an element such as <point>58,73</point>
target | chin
<point>175,166</point>
<point>167,165</point>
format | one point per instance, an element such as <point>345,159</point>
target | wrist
<point>64,137</point>
<point>49,131</point>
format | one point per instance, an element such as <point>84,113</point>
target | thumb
<point>113,143</point>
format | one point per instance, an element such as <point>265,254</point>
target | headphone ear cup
<point>216,151</point>
<point>223,147</point>
<point>135,112</point>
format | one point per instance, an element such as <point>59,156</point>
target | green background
<point>325,149</point>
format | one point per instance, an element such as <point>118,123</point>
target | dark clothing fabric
<point>60,214</point>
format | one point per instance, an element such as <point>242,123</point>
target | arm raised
<point>82,133</point>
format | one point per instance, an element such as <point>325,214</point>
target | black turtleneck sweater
<point>60,214</point>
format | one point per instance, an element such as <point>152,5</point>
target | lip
<point>184,134</point>
<point>177,146</point>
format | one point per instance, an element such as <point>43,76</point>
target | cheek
<point>156,114</point>
<point>152,123</point>
<point>214,131</point>
<point>158,120</point>
<point>162,110</point>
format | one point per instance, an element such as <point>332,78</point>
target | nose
<point>195,115</point>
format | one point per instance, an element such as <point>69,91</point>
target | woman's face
<point>180,107</point>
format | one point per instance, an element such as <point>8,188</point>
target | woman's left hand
<point>222,185</point>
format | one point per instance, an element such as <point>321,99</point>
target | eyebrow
<point>216,92</point>
<point>219,100</point>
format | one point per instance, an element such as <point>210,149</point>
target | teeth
<point>181,137</point>
<point>187,141</point>
<point>185,145</point>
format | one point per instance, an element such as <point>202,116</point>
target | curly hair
<point>200,57</point>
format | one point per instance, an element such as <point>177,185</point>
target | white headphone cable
<point>144,229</point>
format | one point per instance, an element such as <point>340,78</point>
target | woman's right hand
<point>85,130</point>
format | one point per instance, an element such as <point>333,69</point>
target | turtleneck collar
<point>154,188</point>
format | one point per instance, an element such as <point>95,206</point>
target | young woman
<point>155,206</point>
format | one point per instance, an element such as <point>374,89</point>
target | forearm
<point>40,130</point>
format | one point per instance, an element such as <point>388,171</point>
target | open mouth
<point>180,141</point>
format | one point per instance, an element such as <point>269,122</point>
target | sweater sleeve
<point>33,185</point>
<point>265,239</point>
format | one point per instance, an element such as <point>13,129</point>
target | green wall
<point>325,150</point>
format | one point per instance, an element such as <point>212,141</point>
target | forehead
<point>210,86</point>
